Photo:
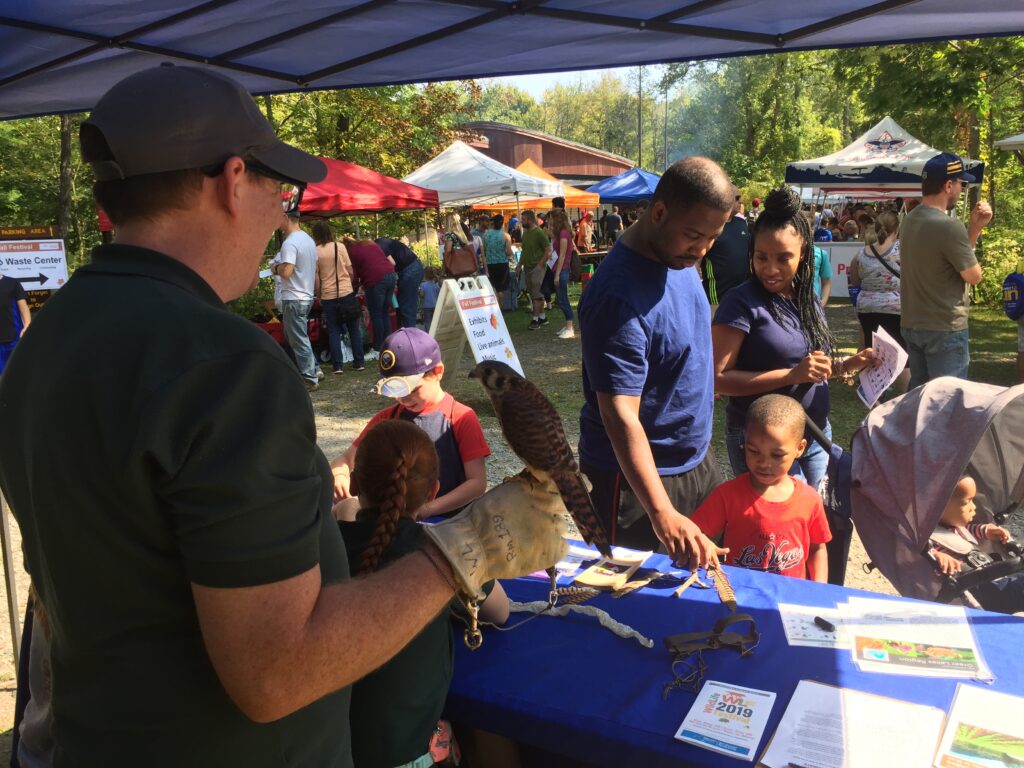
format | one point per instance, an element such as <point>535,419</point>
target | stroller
<point>904,462</point>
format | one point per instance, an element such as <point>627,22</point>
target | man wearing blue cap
<point>938,266</point>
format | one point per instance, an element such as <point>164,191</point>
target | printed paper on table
<point>985,729</point>
<point>727,718</point>
<point>829,727</point>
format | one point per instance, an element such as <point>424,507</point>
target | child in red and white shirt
<point>411,367</point>
<point>771,521</point>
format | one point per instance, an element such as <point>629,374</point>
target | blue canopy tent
<point>61,55</point>
<point>628,188</point>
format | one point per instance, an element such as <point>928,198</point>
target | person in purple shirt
<point>375,273</point>
<point>645,426</point>
<point>770,336</point>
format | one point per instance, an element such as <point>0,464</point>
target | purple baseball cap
<point>408,354</point>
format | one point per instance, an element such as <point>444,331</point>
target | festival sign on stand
<point>468,310</point>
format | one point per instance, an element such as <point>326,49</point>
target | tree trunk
<point>268,108</point>
<point>973,149</point>
<point>65,194</point>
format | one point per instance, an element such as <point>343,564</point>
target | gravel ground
<point>344,404</point>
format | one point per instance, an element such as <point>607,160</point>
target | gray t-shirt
<point>299,249</point>
<point>934,251</point>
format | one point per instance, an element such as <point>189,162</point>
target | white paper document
<point>899,637</point>
<point>728,719</point>
<point>892,360</point>
<point>985,729</point>
<point>828,727</point>
<point>798,622</point>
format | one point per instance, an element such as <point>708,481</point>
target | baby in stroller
<point>958,542</point>
<point>920,463</point>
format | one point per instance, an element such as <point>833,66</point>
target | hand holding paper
<point>890,358</point>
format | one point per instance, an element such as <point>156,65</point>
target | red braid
<point>395,471</point>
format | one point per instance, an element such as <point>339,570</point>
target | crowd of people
<point>199,603</point>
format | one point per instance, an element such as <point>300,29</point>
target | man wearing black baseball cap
<point>160,456</point>
<point>938,265</point>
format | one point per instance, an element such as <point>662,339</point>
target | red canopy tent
<point>350,189</point>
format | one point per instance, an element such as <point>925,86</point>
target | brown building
<point>575,164</point>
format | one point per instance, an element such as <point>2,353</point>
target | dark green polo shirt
<point>396,708</point>
<point>152,439</point>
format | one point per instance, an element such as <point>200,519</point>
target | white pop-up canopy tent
<point>1012,143</point>
<point>463,176</point>
<point>884,161</point>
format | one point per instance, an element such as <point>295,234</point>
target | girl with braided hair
<point>770,336</point>
<point>395,710</point>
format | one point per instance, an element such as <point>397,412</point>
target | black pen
<point>828,626</point>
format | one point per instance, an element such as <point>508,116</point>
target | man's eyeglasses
<point>291,191</point>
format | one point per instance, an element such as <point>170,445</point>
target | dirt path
<point>343,405</point>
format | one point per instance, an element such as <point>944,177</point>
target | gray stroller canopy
<point>910,453</point>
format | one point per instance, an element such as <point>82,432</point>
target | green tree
<point>502,103</point>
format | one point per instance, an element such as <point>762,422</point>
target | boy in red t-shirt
<point>771,520</point>
<point>410,362</point>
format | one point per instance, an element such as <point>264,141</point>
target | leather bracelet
<point>842,374</point>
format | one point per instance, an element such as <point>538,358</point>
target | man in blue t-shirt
<point>648,379</point>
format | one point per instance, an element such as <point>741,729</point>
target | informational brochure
<point>985,729</point>
<point>729,719</point>
<point>913,638</point>
<point>892,358</point>
<point>829,727</point>
<point>808,626</point>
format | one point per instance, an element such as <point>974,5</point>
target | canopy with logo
<point>883,161</point>
<point>463,176</point>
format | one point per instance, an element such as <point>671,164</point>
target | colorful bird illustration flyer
<point>985,729</point>
<point>729,719</point>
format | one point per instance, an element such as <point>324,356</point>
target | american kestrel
<point>533,429</point>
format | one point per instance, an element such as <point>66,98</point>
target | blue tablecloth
<point>568,685</point>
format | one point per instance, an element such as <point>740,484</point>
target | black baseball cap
<point>172,118</point>
<point>946,166</point>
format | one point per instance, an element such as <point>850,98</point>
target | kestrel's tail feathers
<point>577,500</point>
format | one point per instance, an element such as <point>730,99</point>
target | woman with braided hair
<point>395,710</point>
<point>770,334</point>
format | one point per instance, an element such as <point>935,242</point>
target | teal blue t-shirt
<point>822,269</point>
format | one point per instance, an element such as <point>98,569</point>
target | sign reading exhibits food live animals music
<point>486,329</point>
<point>468,310</point>
<point>36,264</point>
